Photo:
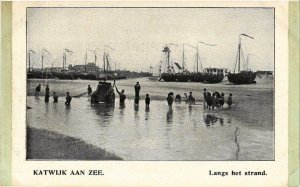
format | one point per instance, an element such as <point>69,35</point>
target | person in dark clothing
<point>205,95</point>
<point>222,100</point>
<point>122,96</point>
<point>229,101</point>
<point>218,98</point>
<point>208,99</point>
<point>191,98</point>
<point>89,89</point>
<point>47,95</point>
<point>147,100</point>
<point>137,89</point>
<point>47,90</point>
<point>55,97</point>
<point>178,98</point>
<point>68,99</point>
<point>37,90</point>
<point>170,99</point>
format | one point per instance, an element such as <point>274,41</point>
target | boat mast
<point>65,57</point>
<point>183,57</point>
<point>239,55</point>
<point>42,60</point>
<point>104,61</point>
<point>85,62</point>
<point>29,58</point>
<point>198,52</point>
<point>29,61</point>
<point>240,48</point>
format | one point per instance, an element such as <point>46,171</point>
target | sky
<point>138,36</point>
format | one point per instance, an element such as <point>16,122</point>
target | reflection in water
<point>212,119</point>
<point>170,115</point>
<point>236,134</point>
<point>136,113</point>
<point>104,111</point>
<point>147,110</point>
<point>190,110</point>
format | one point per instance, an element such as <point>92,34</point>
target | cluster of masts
<point>170,68</point>
<point>66,52</point>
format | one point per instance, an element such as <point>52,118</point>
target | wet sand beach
<point>185,132</point>
<point>43,144</point>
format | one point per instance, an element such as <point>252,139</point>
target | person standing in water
<point>147,100</point>
<point>47,89</point>
<point>137,89</point>
<point>170,99</point>
<point>191,98</point>
<point>68,99</point>
<point>55,97</point>
<point>122,96</point>
<point>229,101</point>
<point>89,89</point>
<point>37,90</point>
<point>47,94</point>
<point>222,100</point>
<point>205,98</point>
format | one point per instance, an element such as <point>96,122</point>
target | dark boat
<point>182,77</point>
<point>168,77</point>
<point>197,77</point>
<point>104,93</point>
<point>213,75</point>
<point>241,77</point>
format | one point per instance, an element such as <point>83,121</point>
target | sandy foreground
<point>43,144</point>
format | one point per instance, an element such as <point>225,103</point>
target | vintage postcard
<point>150,93</point>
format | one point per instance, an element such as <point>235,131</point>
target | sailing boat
<point>245,76</point>
<point>203,76</point>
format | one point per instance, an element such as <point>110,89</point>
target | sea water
<point>133,132</point>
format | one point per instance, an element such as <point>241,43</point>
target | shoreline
<point>44,145</point>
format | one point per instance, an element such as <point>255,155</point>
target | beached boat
<point>213,75</point>
<point>197,77</point>
<point>245,76</point>
<point>183,77</point>
<point>104,93</point>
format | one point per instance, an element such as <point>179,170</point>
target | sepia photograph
<point>150,83</point>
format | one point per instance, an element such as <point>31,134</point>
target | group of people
<point>211,101</point>
<point>55,96</point>
<point>216,100</point>
<point>137,89</point>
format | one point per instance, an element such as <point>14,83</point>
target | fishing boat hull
<point>168,77</point>
<point>244,77</point>
<point>182,77</point>
<point>103,94</point>
<point>197,77</point>
<point>213,79</point>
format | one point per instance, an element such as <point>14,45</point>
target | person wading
<point>37,90</point>
<point>122,96</point>
<point>68,99</point>
<point>47,95</point>
<point>191,98</point>
<point>137,89</point>
<point>170,99</point>
<point>55,97</point>
<point>229,101</point>
<point>147,100</point>
<point>89,89</point>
